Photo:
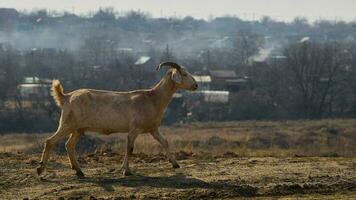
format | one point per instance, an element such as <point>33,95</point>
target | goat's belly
<point>105,131</point>
<point>109,122</point>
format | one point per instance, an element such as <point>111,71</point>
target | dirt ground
<point>225,176</point>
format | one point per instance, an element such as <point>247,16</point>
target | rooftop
<point>142,60</point>
<point>223,74</point>
<point>202,79</point>
<point>31,80</point>
<point>35,80</point>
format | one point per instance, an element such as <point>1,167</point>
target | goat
<point>134,112</point>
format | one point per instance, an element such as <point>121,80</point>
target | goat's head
<point>180,76</point>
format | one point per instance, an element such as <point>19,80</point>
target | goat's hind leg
<point>50,142</point>
<point>70,147</point>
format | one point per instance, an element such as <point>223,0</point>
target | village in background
<point>246,70</point>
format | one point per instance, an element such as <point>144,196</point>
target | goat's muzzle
<point>195,87</point>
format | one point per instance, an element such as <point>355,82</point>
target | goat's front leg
<point>157,136</point>
<point>70,147</point>
<point>131,137</point>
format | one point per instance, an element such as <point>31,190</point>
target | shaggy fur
<point>57,93</point>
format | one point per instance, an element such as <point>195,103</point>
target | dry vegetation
<point>251,138</point>
<point>260,159</point>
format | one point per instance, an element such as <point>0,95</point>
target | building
<point>145,64</point>
<point>34,87</point>
<point>203,82</point>
<point>226,80</point>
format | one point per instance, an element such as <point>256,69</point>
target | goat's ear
<point>176,77</point>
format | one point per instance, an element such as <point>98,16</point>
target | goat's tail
<point>57,93</point>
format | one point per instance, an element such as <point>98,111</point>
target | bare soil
<point>201,176</point>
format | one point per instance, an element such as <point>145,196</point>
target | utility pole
<point>167,55</point>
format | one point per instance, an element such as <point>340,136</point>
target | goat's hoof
<point>126,173</point>
<point>39,170</point>
<point>175,166</point>
<point>80,174</point>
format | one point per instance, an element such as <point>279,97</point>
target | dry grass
<point>198,178</point>
<point>219,161</point>
<point>335,137</point>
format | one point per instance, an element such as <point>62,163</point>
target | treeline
<point>49,29</point>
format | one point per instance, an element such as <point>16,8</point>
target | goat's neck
<point>164,91</point>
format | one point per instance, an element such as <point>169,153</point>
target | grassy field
<point>251,138</point>
<point>252,159</point>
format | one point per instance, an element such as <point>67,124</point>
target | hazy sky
<point>246,9</point>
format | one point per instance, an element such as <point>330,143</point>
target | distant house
<point>143,61</point>
<point>222,74</point>
<point>124,50</point>
<point>32,87</point>
<point>208,96</point>
<point>221,42</point>
<point>226,80</point>
<point>277,60</point>
<point>203,82</point>
<point>146,63</point>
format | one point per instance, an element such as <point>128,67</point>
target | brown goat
<point>107,112</point>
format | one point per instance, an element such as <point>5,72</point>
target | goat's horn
<point>171,64</point>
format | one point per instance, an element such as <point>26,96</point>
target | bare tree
<point>315,71</point>
<point>10,74</point>
<point>246,44</point>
